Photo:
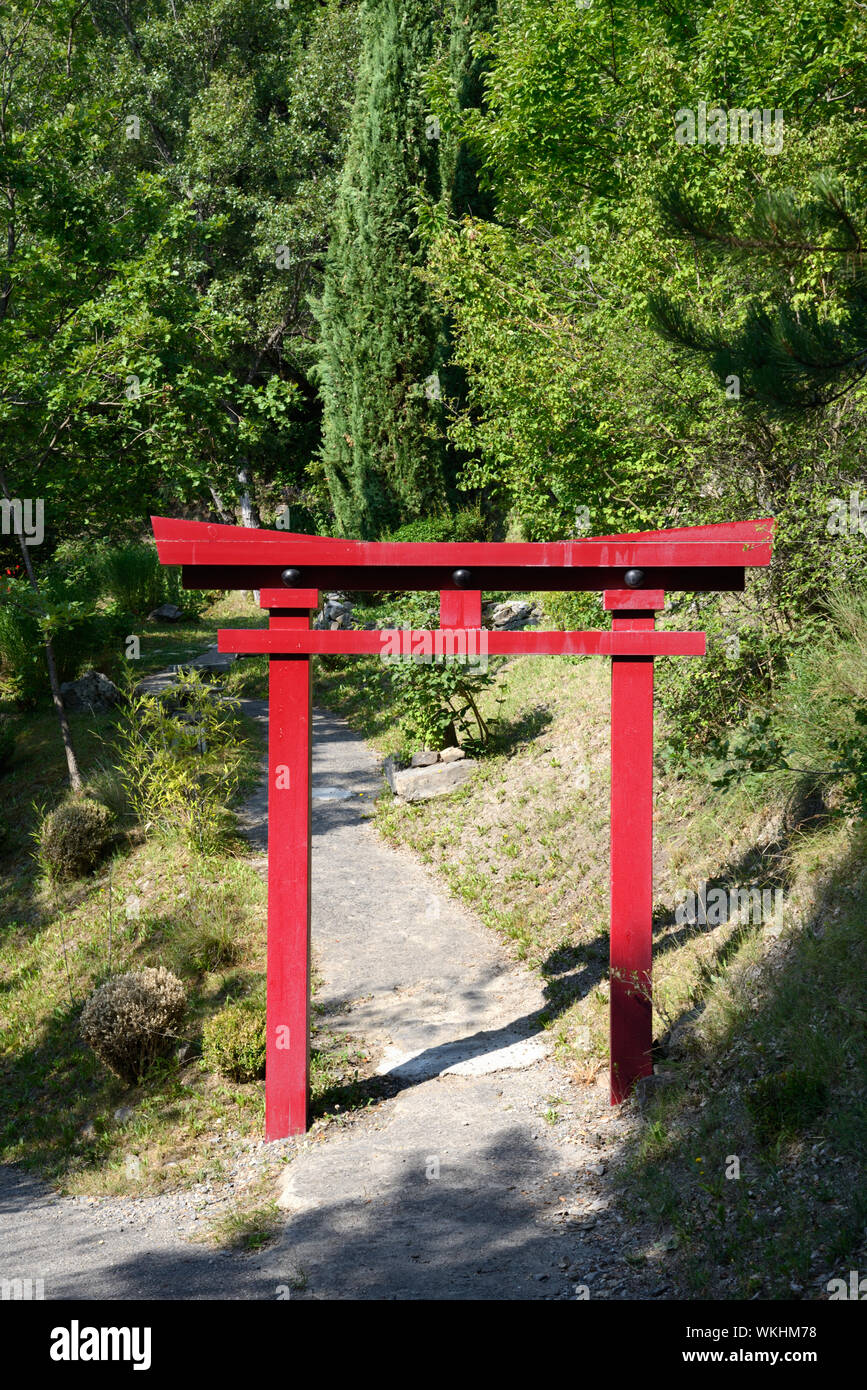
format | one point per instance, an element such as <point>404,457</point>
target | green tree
<point>381,337</point>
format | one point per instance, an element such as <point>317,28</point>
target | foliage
<point>137,581</point>
<point>576,399</point>
<point>569,611</point>
<point>73,837</point>
<point>75,628</point>
<point>179,771</point>
<point>434,699</point>
<point>233,1041</point>
<point>812,736</point>
<point>133,1019</point>
<point>466,525</point>
<point>86,592</point>
<point>155,338</point>
<point>703,699</point>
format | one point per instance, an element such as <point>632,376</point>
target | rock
<point>419,783</point>
<point>426,758</point>
<point>132,907</point>
<point>512,615</point>
<point>93,691</point>
<point>166,613</point>
<point>649,1086</point>
<point>335,614</point>
<point>212,659</point>
<point>452,755</point>
<point>123,1113</point>
<point>598,1169</point>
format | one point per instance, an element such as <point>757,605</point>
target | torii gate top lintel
<point>685,559</point>
<point>632,572</point>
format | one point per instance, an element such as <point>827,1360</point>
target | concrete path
<point>477,1179</point>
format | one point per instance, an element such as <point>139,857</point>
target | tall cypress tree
<point>460,163</point>
<point>381,337</point>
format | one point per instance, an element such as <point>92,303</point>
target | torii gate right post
<point>631,571</point>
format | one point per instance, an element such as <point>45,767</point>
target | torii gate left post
<point>632,572</point>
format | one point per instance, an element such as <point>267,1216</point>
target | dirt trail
<point>484,1176</point>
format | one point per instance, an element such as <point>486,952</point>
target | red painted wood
<point>461,608</point>
<point>631,863</point>
<point>686,559</point>
<point>289,838</point>
<point>730,543</point>
<point>629,640</point>
<point>289,598</point>
<point>679,578</point>
<point>643,599</point>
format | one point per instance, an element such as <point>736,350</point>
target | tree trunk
<point>248,511</point>
<point>65,733</point>
<point>75,781</point>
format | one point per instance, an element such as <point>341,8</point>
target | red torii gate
<point>632,571</point>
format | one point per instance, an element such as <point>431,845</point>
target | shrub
<point>73,837</point>
<point>785,1103</point>
<point>569,612</point>
<point>434,698</point>
<point>137,582</point>
<point>467,525</point>
<point>80,635</point>
<point>132,1020</point>
<point>180,774</point>
<point>134,577</point>
<point>434,528</point>
<point>233,1041</point>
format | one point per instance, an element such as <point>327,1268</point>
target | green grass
<point>153,901</point>
<point>248,1228</point>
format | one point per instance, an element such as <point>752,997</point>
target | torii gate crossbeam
<point>631,571</point>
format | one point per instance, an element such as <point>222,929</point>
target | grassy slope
<point>525,844</point>
<point>156,903</point>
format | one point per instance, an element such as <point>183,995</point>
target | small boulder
<point>212,659</point>
<point>93,692</point>
<point>648,1087</point>
<point>512,615</point>
<point>166,613</point>
<point>452,755</point>
<point>419,783</point>
<point>425,758</point>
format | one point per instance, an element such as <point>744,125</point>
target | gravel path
<point>484,1176</point>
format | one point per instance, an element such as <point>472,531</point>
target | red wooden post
<point>460,608</point>
<point>631,1008</point>
<point>287,1048</point>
